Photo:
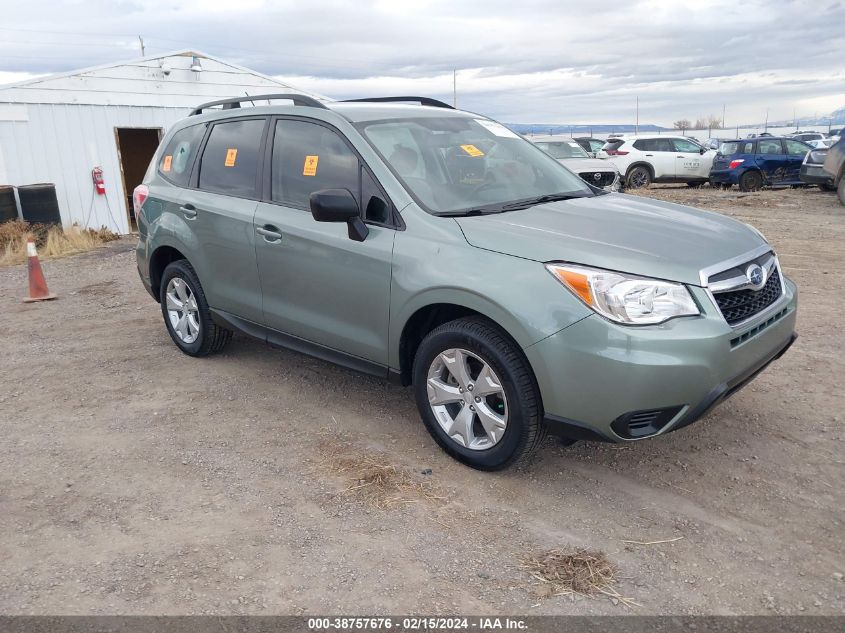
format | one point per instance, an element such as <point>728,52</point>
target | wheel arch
<point>425,318</point>
<point>639,163</point>
<point>159,260</point>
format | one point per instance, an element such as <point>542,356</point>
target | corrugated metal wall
<point>62,143</point>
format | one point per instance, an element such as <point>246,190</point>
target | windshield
<point>453,165</point>
<point>562,149</point>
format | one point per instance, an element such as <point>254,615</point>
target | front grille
<point>598,178</point>
<point>739,305</point>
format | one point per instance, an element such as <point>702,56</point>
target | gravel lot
<point>136,480</point>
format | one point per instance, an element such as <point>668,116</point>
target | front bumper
<point>596,377</point>
<point>815,175</point>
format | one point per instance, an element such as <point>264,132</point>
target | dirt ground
<point>137,480</point>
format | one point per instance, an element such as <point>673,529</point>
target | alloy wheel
<point>182,310</point>
<point>467,399</point>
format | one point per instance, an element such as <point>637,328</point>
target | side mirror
<point>339,205</point>
<point>702,150</point>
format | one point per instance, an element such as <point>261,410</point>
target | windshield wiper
<point>470,212</point>
<point>530,202</point>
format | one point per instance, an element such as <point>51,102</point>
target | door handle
<point>270,233</point>
<point>649,154</point>
<point>189,211</point>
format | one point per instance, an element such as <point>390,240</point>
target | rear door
<point>660,154</point>
<point>220,210</point>
<point>317,283</point>
<point>795,153</point>
<point>689,161</point>
<point>772,160</point>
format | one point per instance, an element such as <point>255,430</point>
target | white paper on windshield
<point>573,144</point>
<point>497,128</point>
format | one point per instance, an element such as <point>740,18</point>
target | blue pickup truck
<point>753,163</point>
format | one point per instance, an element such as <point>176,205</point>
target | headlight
<point>625,298</point>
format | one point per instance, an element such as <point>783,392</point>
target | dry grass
<point>372,478</point>
<point>575,571</point>
<point>51,241</point>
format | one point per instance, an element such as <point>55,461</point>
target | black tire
<point>840,190</point>
<point>827,187</point>
<point>696,184</point>
<point>751,181</point>
<point>211,338</point>
<point>638,178</point>
<point>525,429</point>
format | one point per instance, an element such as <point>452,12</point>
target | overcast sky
<point>543,61</point>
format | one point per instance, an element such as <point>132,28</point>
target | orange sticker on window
<point>472,150</point>
<point>310,166</point>
<point>168,160</point>
<point>231,157</point>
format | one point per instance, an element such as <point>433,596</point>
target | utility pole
<point>794,120</point>
<point>637,124</point>
<point>766,124</point>
<point>455,89</point>
<point>723,117</point>
<point>143,49</point>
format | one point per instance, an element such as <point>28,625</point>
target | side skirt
<point>275,338</point>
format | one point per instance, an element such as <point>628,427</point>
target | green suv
<point>437,248</point>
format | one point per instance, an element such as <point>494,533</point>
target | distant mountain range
<point>579,130</point>
<point>837,117</point>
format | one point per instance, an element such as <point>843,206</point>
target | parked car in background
<point>822,143</point>
<point>758,162</point>
<point>812,170</point>
<point>438,248</point>
<point>599,173</point>
<point>713,142</point>
<point>834,164</point>
<point>646,159</point>
<point>590,145</point>
<point>807,136</point>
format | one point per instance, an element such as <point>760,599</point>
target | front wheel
<point>840,191</point>
<point>639,177</point>
<point>751,181</point>
<point>186,312</point>
<point>477,395</point>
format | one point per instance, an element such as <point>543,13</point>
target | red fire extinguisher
<point>97,177</point>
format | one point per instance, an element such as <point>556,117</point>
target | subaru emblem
<point>756,276</point>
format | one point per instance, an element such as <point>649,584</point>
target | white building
<point>57,129</point>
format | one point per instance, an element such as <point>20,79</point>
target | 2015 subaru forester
<point>438,248</point>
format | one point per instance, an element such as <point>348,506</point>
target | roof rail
<point>426,101</point>
<point>235,102</point>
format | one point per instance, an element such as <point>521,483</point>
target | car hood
<point>587,164</point>
<point>618,232</point>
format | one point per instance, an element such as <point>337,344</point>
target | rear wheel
<point>751,181</point>
<point>639,177</point>
<point>476,394</point>
<point>840,191</point>
<point>186,312</point>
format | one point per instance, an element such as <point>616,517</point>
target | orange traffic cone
<point>37,285</point>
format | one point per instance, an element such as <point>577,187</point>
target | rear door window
<point>663,145</point>
<point>229,163</point>
<point>175,163</point>
<point>769,147</point>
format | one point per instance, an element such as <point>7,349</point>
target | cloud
<point>543,61</point>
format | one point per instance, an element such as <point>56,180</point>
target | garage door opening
<point>135,149</point>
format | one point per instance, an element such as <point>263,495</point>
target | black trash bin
<point>39,204</point>
<point>8,206</point>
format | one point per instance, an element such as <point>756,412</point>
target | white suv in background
<point>643,160</point>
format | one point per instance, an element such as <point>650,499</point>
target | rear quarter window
<point>177,158</point>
